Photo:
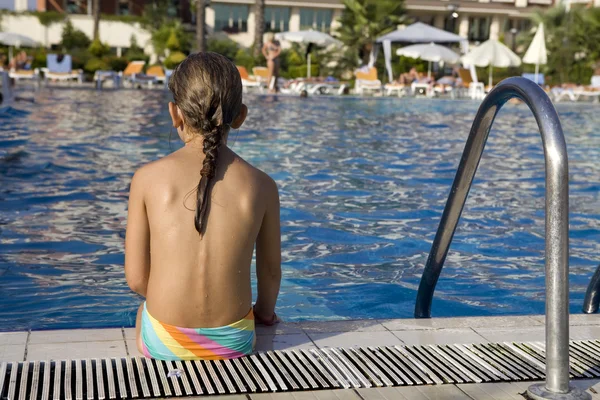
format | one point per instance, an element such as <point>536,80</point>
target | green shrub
<point>73,38</point>
<point>173,42</point>
<point>117,63</point>
<point>244,58</point>
<point>299,71</point>
<point>226,47</point>
<point>98,49</point>
<point>39,59</point>
<point>136,56</point>
<point>174,59</point>
<point>79,57</point>
<point>95,64</point>
<point>47,18</point>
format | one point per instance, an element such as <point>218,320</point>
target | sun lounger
<point>366,81</point>
<point>134,74</point>
<point>261,74</point>
<point>249,81</point>
<point>59,68</point>
<point>475,90</point>
<point>25,74</point>
<point>540,78</point>
<point>102,76</point>
<point>157,72</point>
<point>399,88</point>
<point>575,93</point>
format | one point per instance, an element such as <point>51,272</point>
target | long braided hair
<point>207,88</point>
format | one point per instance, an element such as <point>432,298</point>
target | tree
<point>96,19</point>
<point>561,42</point>
<point>48,18</point>
<point>362,21</point>
<point>200,25</point>
<point>73,38</point>
<point>259,26</point>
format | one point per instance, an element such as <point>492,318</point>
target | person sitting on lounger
<point>189,243</point>
<point>409,77</point>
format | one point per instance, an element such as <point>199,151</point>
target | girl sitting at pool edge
<point>189,244</point>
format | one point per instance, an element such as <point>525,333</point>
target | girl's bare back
<point>194,220</point>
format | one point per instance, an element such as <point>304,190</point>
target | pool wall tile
<point>353,339</point>
<point>461,322</point>
<point>282,328</point>
<point>342,326</point>
<point>75,350</point>
<point>129,333</point>
<point>12,352</point>
<point>132,349</point>
<point>440,336</point>
<point>13,338</point>
<point>283,342</point>
<point>75,335</point>
<point>532,334</point>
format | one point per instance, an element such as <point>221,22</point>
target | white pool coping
<point>120,342</point>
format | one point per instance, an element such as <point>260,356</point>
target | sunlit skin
<point>197,281</point>
<point>271,50</point>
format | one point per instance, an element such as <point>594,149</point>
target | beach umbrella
<point>310,38</point>
<point>15,40</point>
<point>536,53</point>
<point>492,53</point>
<point>429,52</point>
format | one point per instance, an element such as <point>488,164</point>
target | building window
<point>277,19</point>
<point>479,29</point>
<point>318,19</point>
<point>173,8</point>
<point>123,7</point>
<point>74,7</point>
<point>451,24</point>
<point>230,18</point>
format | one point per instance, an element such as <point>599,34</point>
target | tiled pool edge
<point>120,342</point>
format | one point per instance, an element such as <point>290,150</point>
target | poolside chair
<point>540,79</point>
<point>134,74</point>
<point>575,93</point>
<point>102,76</point>
<point>475,90</point>
<point>248,81</point>
<point>366,81</point>
<point>157,72</point>
<point>261,74</point>
<point>400,89</point>
<point>60,68</point>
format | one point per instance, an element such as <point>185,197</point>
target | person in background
<point>271,50</point>
<point>189,242</point>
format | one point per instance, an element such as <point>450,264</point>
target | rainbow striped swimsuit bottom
<point>167,342</point>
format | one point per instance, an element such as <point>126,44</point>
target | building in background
<point>478,20</point>
<point>18,5</point>
<point>579,3</point>
<point>177,8</point>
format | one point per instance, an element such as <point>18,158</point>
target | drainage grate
<point>275,371</point>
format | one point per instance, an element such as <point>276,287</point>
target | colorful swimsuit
<point>168,342</point>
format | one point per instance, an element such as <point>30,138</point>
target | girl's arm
<point>137,238</point>
<point>268,256</point>
<point>264,51</point>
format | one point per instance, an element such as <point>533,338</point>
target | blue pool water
<point>363,183</point>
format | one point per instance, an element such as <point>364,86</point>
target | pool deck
<point>120,342</point>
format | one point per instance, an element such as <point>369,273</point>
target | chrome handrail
<point>557,221</point>
<point>592,294</point>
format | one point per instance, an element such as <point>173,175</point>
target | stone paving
<point>120,342</point>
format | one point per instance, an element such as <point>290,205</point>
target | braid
<point>212,141</point>
<point>207,89</point>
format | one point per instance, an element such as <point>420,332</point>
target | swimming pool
<point>362,182</point>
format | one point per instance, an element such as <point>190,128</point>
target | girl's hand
<point>264,319</point>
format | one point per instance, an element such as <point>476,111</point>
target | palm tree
<point>96,20</point>
<point>200,25</point>
<point>561,42</point>
<point>362,21</point>
<point>259,27</point>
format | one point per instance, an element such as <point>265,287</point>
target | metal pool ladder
<point>557,226</point>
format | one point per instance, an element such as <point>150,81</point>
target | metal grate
<point>294,370</point>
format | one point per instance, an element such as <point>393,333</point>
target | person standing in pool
<point>271,50</point>
<point>194,219</point>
